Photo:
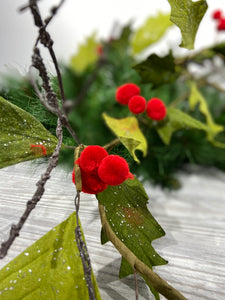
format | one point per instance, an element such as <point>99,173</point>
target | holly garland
<point>169,147</point>
<point>133,117</point>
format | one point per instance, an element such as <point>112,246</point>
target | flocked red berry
<point>114,170</point>
<point>126,91</point>
<point>91,183</point>
<point>137,104</point>
<point>156,109</point>
<point>221,24</point>
<point>217,14</point>
<point>91,158</point>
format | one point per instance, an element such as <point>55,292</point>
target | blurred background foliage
<point>90,82</point>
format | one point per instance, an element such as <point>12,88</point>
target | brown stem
<point>136,284</point>
<point>79,239</point>
<point>154,280</point>
<point>112,144</point>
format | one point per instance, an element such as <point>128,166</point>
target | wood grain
<point>193,218</point>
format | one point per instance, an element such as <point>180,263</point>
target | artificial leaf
<point>19,131</point>
<point>197,98</point>
<point>51,268</point>
<point>87,55</point>
<point>122,43</point>
<point>152,30</point>
<point>127,213</point>
<point>187,15</point>
<point>177,120</point>
<point>129,133</point>
<point>157,70</point>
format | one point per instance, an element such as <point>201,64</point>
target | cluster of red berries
<point>99,169</point>
<point>129,94</point>
<point>217,15</point>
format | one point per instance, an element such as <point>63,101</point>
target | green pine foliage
<point>89,101</point>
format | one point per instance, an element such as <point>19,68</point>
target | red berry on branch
<point>99,50</point>
<point>221,24</point>
<point>217,14</point>
<point>91,183</point>
<point>114,170</point>
<point>91,158</point>
<point>137,104</point>
<point>126,91</point>
<point>156,109</point>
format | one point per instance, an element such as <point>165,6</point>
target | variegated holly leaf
<point>22,137</point>
<point>129,133</point>
<point>213,129</point>
<point>127,213</point>
<point>87,55</point>
<point>176,120</point>
<point>51,268</point>
<point>187,15</point>
<point>150,32</point>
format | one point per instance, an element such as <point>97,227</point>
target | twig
<point>112,144</point>
<point>79,239</point>
<point>31,204</point>
<point>136,284</point>
<point>154,280</point>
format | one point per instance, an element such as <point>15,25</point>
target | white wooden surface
<point>193,218</point>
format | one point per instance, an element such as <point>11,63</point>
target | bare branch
<point>31,204</point>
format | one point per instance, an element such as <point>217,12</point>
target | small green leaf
<point>157,70</point>
<point>129,133</point>
<point>177,120</point>
<point>152,30</point>
<point>51,268</point>
<point>127,213</point>
<point>123,42</point>
<point>197,98</point>
<point>187,15</point>
<point>87,55</point>
<point>18,131</point>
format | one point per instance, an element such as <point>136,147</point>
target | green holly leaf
<point>19,130</point>
<point>127,213</point>
<point>86,56</point>
<point>129,133</point>
<point>213,129</point>
<point>150,32</point>
<point>187,15</point>
<point>177,120</point>
<point>157,70</point>
<point>123,42</point>
<point>51,268</point>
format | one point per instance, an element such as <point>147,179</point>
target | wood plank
<point>193,218</point>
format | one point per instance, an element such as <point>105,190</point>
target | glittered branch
<point>153,279</point>
<point>86,262</point>
<point>31,204</point>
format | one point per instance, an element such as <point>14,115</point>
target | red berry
<point>156,109</point>
<point>217,14</point>
<point>99,50</point>
<point>113,170</point>
<point>221,24</point>
<point>91,158</point>
<point>126,91</point>
<point>137,104</point>
<point>91,183</point>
